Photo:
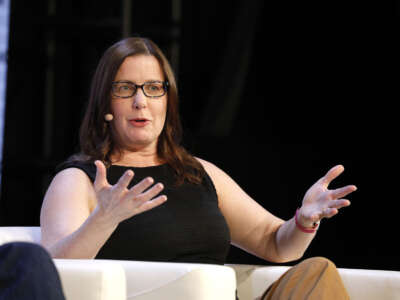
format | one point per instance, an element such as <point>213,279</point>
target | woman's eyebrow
<point>123,81</point>
<point>129,81</point>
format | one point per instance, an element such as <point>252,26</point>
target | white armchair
<point>135,280</point>
<point>88,279</point>
<point>360,284</point>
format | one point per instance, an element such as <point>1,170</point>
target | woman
<point>110,201</point>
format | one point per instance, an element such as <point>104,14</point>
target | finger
<point>153,203</point>
<point>124,181</point>
<point>342,192</point>
<point>150,193</point>
<point>141,186</point>
<point>101,175</point>
<point>339,203</point>
<point>332,174</point>
<point>329,212</point>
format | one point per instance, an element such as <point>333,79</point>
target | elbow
<point>285,249</point>
<point>48,247</point>
<point>281,256</point>
<point>52,251</point>
<point>280,259</point>
<point>295,257</point>
<point>284,254</point>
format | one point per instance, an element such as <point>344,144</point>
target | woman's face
<point>139,120</point>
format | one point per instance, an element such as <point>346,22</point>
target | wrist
<point>102,220</point>
<point>305,225</point>
<point>302,220</point>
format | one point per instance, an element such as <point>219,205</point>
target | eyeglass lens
<point>128,89</point>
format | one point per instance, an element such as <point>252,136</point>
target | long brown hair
<point>96,138</point>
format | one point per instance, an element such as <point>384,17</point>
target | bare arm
<point>78,217</point>
<point>254,229</point>
<point>67,230</point>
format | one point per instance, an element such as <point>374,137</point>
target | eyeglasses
<point>151,89</point>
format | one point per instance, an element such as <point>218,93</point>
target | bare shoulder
<point>69,179</point>
<point>210,168</point>
<point>222,181</point>
<point>68,184</point>
<point>203,161</point>
<point>71,174</point>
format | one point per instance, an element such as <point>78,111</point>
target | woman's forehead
<point>140,68</point>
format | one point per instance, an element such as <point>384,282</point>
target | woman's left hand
<point>320,202</point>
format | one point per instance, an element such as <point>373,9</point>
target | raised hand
<point>320,202</point>
<point>116,203</point>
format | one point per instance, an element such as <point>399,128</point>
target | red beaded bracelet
<point>305,229</point>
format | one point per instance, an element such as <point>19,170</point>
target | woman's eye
<point>154,87</point>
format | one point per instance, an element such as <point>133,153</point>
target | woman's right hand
<point>116,203</point>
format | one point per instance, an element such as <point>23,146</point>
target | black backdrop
<point>274,94</point>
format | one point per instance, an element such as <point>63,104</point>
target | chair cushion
<point>178,281</point>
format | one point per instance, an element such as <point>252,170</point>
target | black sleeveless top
<point>188,227</point>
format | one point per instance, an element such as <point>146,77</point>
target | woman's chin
<point>140,143</point>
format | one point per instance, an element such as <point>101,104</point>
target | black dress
<point>188,227</point>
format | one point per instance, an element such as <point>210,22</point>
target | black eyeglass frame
<point>165,85</point>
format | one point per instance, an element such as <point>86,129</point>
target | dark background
<point>275,94</point>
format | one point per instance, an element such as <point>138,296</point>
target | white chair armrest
<point>361,284</point>
<point>253,280</point>
<point>371,284</point>
<point>178,281</point>
<point>87,279</point>
<point>117,280</point>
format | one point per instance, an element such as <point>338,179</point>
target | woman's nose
<point>139,99</point>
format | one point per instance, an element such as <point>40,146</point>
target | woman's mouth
<point>139,122</point>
